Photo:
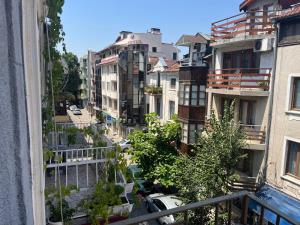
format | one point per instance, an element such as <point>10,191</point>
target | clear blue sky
<point>94,24</point>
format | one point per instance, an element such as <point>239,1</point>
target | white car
<point>125,145</point>
<point>159,202</point>
<point>77,112</point>
<point>73,107</point>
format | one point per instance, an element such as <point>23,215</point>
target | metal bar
<point>229,212</point>
<point>186,217</point>
<point>217,214</point>
<point>77,176</point>
<point>245,201</point>
<point>66,175</point>
<point>87,175</point>
<point>261,217</point>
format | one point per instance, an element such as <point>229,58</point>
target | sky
<point>94,24</point>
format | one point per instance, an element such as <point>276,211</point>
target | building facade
<point>83,96</point>
<point>283,166</point>
<point>161,90</point>
<point>192,85</point>
<point>124,66</point>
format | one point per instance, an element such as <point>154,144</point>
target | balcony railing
<point>240,78</point>
<point>244,24</point>
<point>254,133</point>
<point>234,205</point>
<point>154,90</point>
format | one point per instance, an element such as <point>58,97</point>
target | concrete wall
<point>285,123</point>
<point>21,171</point>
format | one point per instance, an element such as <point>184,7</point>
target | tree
<point>72,76</point>
<point>155,150</point>
<point>207,173</point>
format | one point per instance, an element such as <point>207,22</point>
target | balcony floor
<point>238,92</point>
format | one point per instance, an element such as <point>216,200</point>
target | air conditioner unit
<point>263,45</point>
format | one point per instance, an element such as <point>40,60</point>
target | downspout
<point>269,123</point>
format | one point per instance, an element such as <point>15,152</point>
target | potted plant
<point>60,211</point>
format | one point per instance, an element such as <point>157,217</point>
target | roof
<point>110,59</point>
<point>289,13</point>
<point>173,68</point>
<point>153,60</point>
<point>186,39</point>
<point>245,4</point>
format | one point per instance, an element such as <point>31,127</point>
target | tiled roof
<point>173,68</point>
<point>289,12</point>
<point>153,60</point>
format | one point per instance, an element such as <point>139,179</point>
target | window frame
<point>287,144</point>
<point>173,86</point>
<point>290,94</point>
<point>154,48</point>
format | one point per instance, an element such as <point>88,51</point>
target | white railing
<point>63,126</point>
<point>68,157</point>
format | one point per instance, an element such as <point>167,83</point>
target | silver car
<point>159,202</point>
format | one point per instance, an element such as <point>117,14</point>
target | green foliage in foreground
<point>155,150</point>
<point>207,173</point>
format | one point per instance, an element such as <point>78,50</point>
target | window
<point>185,132</point>
<point>108,86</point>
<point>194,130</point>
<point>194,95</point>
<point>173,83</point>
<point>289,32</point>
<point>148,108</point>
<point>109,103</point>
<point>202,95</point>
<point>115,104</point>
<point>115,68</point>
<point>159,204</point>
<point>103,85</point>
<point>114,86</point>
<point>186,94</point>
<point>104,100</point>
<point>293,159</point>
<point>247,112</point>
<point>174,55</point>
<point>154,49</point>
<point>158,102</point>
<point>171,109</point>
<point>295,103</point>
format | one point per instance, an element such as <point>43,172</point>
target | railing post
<point>217,214</point>
<point>245,201</point>
<point>186,217</point>
<point>229,212</point>
<point>261,217</point>
<point>277,220</point>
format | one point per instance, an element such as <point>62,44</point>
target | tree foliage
<point>155,150</point>
<point>72,76</point>
<point>207,173</point>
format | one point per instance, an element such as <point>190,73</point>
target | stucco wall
<point>284,125</point>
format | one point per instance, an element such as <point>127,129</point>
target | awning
<point>110,59</point>
<point>280,201</point>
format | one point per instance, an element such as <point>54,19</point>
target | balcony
<point>255,135</point>
<point>253,23</point>
<point>153,90</point>
<point>240,81</point>
<point>235,206</point>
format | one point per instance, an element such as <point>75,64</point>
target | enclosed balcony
<point>252,23</point>
<point>240,81</point>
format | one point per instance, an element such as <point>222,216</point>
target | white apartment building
<point>161,90</point>
<point>83,97</point>
<point>124,66</point>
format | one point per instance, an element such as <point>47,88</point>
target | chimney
<point>155,31</point>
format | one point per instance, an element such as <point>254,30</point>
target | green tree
<point>207,173</point>
<point>72,76</point>
<point>155,150</point>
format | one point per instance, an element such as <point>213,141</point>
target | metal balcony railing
<point>254,133</point>
<point>244,24</point>
<point>234,205</point>
<point>240,78</point>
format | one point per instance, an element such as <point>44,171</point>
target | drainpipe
<point>269,123</point>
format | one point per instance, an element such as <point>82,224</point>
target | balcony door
<point>240,61</point>
<point>247,112</point>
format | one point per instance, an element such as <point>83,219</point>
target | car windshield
<point>123,142</point>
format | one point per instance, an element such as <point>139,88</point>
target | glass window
<point>194,131</point>
<point>171,109</point>
<point>186,94</point>
<point>174,55</point>
<point>154,49</point>
<point>201,95</point>
<point>173,83</point>
<point>296,94</point>
<point>293,160</point>
<point>185,133</point>
<point>181,94</point>
<point>194,95</point>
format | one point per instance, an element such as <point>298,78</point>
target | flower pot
<point>55,223</point>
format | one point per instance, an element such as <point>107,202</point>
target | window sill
<point>291,179</point>
<point>293,114</point>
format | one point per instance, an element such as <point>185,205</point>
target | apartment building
<point>83,96</point>
<point>192,84</point>
<point>161,90</point>
<point>124,65</point>
<point>283,166</point>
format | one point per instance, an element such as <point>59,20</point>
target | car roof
<point>170,201</point>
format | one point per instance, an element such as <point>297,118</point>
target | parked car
<point>125,145</point>
<point>144,187</point>
<point>77,112</point>
<point>73,107</point>
<point>159,202</point>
